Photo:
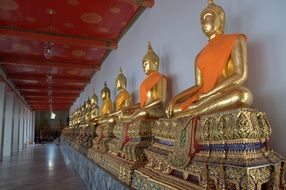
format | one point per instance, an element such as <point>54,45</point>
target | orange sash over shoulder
<point>147,84</point>
<point>211,62</point>
<point>107,105</point>
<point>122,96</point>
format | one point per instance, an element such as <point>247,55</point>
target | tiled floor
<point>40,167</point>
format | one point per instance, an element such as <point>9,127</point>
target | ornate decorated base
<point>127,153</point>
<point>225,150</point>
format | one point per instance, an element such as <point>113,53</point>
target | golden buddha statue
<point>95,111</point>
<point>123,98</point>
<point>220,71</point>
<point>71,117</point>
<point>87,110</point>
<point>106,107</point>
<point>78,115</point>
<point>152,91</point>
<point>82,112</point>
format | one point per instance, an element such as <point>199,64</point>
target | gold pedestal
<point>225,150</point>
<point>128,152</point>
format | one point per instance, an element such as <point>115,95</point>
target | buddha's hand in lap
<point>121,115</point>
<point>170,109</point>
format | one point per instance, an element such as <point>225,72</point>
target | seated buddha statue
<point>87,110</point>
<point>152,91</point>
<point>71,117</point>
<point>82,113</point>
<point>122,100</point>
<point>78,116</point>
<point>106,107</point>
<point>95,111</point>
<point>220,71</point>
<point>79,113</point>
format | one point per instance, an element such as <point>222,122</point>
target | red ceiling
<point>82,32</point>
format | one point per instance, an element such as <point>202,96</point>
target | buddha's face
<point>119,84</point>
<point>93,101</point>
<point>104,95</point>
<point>210,24</point>
<point>148,66</point>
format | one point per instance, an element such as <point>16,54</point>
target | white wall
<point>173,27</point>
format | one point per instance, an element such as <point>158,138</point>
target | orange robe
<point>106,107</point>
<point>211,62</point>
<point>151,80</point>
<point>120,100</point>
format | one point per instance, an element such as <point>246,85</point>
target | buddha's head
<point>105,92</point>
<point>83,106</point>
<point>87,104</point>
<point>212,20</point>
<point>121,81</point>
<point>94,99</point>
<point>150,61</point>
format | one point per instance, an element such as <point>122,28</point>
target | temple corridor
<point>142,94</point>
<point>38,167</point>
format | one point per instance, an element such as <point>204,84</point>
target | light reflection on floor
<point>40,167</point>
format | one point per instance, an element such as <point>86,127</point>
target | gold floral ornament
<point>9,5</point>
<point>78,53</point>
<point>30,19</point>
<point>73,2</point>
<point>104,30</point>
<point>115,10</point>
<point>21,47</point>
<point>91,18</point>
<point>69,25</point>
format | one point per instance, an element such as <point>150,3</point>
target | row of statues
<point>220,73</point>
<point>205,137</point>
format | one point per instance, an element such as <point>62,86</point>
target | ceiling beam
<point>43,105</point>
<point>29,96</point>
<point>46,101</point>
<point>44,63</point>
<point>46,90</point>
<point>48,109</point>
<point>54,109</point>
<point>45,93</point>
<point>40,58</point>
<point>47,104</point>
<point>144,3</point>
<point>56,78</point>
<point>45,87</point>
<point>57,38</point>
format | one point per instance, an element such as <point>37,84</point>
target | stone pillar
<point>15,142</point>
<point>8,124</point>
<point>33,126</point>
<point>2,112</point>
<point>25,125</point>
<point>30,128</point>
<point>21,127</point>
